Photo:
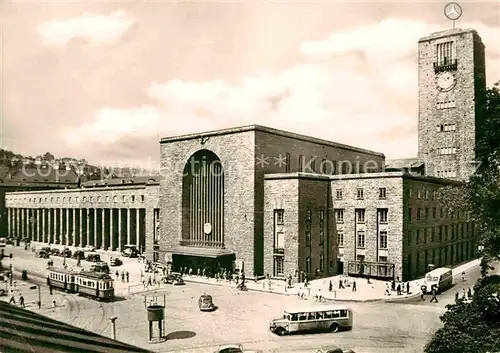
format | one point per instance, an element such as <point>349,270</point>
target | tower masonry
<point>451,69</point>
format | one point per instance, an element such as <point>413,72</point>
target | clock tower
<point>451,83</point>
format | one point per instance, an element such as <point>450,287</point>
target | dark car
<point>55,252</point>
<point>333,350</point>
<point>66,253</point>
<point>101,267</point>
<point>130,252</point>
<point>93,257</point>
<point>44,254</point>
<point>174,278</point>
<point>206,303</point>
<point>115,262</point>
<point>78,255</point>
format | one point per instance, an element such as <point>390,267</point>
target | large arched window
<point>203,201</point>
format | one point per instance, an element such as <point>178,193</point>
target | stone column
<point>44,210</point>
<point>80,234</point>
<point>32,224</point>
<point>138,232</point>
<point>88,225</point>
<point>73,230</point>
<point>49,226</point>
<point>67,227</point>
<point>95,228</point>
<point>103,230</point>
<point>129,225</point>
<point>61,228</point>
<point>119,229</point>
<point>111,235</point>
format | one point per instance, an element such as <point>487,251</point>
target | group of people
<point>124,275</point>
<point>399,288</point>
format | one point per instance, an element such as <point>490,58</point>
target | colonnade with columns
<point>103,228</point>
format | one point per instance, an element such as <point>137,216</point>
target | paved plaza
<point>242,317</point>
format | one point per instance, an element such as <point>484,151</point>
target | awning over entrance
<point>213,253</point>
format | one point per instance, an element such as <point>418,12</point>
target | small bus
<point>441,279</point>
<point>330,318</point>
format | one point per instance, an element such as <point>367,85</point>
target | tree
<point>471,327</point>
<point>480,196</point>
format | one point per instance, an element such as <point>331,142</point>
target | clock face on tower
<point>445,81</point>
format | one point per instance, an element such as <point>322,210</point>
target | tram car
<point>95,285</point>
<point>62,278</point>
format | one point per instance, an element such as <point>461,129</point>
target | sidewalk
<point>365,292</point>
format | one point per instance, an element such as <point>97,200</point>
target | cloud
<point>355,87</point>
<point>96,29</point>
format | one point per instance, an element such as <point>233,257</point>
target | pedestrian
<point>469,293</point>
<point>54,302</point>
<point>457,296</point>
<point>463,294</point>
<point>408,287</point>
<point>127,275</point>
<point>118,274</point>
<point>463,276</point>
<point>393,285</point>
<point>387,289</point>
<point>21,300</point>
<point>422,298</point>
<point>399,289</point>
<point>269,284</point>
<point>123,276</point>
<point>341,285</point>
<point>354,286</point>
<point>149,281</point>
<point>368,280</point>
<point>190,273</point>
<point>330,286</point>
<point>39,304</point>
<point>12,299</point>
<point>434,298</point>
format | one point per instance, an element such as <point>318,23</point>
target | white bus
<point>440,278</point>
<point>319,318</point>
<point>3,242</point>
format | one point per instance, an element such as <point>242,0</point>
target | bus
<point>3,242</point>
<point>330,318</point>
<point>441,279</point>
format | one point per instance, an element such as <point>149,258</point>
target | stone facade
<point>79,217</point>
<point>449,119</point>
<point>385,200</point>
<point>247,154</point>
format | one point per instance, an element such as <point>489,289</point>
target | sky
<point>105,81</point>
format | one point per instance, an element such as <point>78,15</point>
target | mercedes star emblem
<point>453,11</point>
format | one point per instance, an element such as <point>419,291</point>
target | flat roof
<point>397,174</point>
<point>292,135</point>
<point>447,33</point>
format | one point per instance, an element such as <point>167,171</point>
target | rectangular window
<point>382,259</point>
<point>434,212</point>
<point>417,237</point>
<point>383,240</point>
<point>278,265</point>
<point>441,213</point>
<point>361,239</point>
<point>382,193</point>
<point>339,194</point>
<point>409,214</point>
<point>308,265</point>
<point>143,198</point>
<point>419,194</point>
<point>360,258</point>
<point>301,163</point>
<point>444,53</point>
<point>279,240</point>
<point>321,236</point>
<point>308,215</point>
<point>287,165</point>
<point>308,238</point>
<point>321,215</point>
<point>359,194</point>
<point>133,198</point>
<point>382,215</point>
<point>360,215</point>
<point>434,194</point>
<point>410,235</point>
<point>279,216</point>
<point>426,213</point>
<point>321,262</point>
<point>419,214</point>
<point>426,194</point>
<point>340,239</point>
<point>339,215</point>
<point>433,234</point>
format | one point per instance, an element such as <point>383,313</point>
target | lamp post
<point>113,325</point>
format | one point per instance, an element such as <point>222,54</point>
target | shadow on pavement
<point>180,335</point>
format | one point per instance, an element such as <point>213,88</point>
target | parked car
<point>333,349</point>
<point>130,251</point>
<point>93,257</point>
<point>66,253</point>
<point>235,348</point>
<point>89,248</point>
<point>174,278</point>
<point>43,254</point>
<point>55,252</point>
<point>78,255</point>
<point>101,267</point>
<point>116,262</point>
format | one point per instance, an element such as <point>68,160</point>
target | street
<point>243,317</point>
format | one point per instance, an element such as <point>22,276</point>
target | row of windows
<point>425,213</point>
<point>446,105</point>
<point>93,284</point>
<point>360,194</point>
<point>84,199</point>
<point>321,263</point>
<point>446,173</point>
<point>61,277</point>
<point>317,315</point>
<point>441,233</point>
<point>423,194</point>
<point>361,238</point>
<point>446,127</point>
<point>447,150</point>
<point>360,214</point>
